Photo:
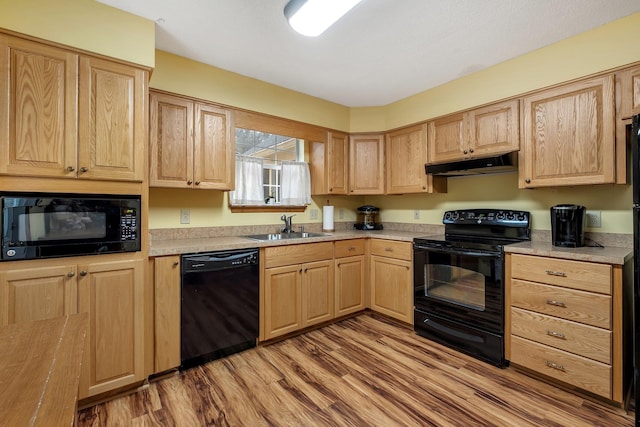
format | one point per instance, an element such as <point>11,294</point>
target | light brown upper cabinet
<point>192,144</point>
<point>405,157</point>
<point>366,164</point>
<point>329,164</point>
<point>569,135</point>
<point>489,130</point>
<point>69,115</point>
<point>627,104</point>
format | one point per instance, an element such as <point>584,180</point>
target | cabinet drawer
<point>586,374</point>
<point>579,306</point>
<point>277,256</point>
<point>345,248</point>
<point>585,276</point>
<point>587,341</point>
<point>391,249</point>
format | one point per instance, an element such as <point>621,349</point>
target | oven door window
<point>455,284</point>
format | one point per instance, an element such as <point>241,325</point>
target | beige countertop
<point>187,246</point>
<point>607,254</point>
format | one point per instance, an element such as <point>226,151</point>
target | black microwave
<point>45,225</point>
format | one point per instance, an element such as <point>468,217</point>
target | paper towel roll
<point>327,218</point>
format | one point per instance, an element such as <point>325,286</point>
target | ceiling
<point>380,52</point>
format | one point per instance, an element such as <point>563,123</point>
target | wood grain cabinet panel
<point>192,144</point>
<point>38,110</point>
<point>405,158</point>
<point>391,279</point>
<point>569,135</point>
<point>112,119</point>
<point>167,312</point>
<point>70,115</point>
<point>564,320</point>
<point>329,164</point>
<point>28,294</point>
<point>112,293</point>
<point>298,287</point>
<point>350,276</point>
<point>481,132</point>
<point>366,164</point>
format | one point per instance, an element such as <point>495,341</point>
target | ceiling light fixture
<point>312,17</point>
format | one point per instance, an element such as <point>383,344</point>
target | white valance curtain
<point>295,183</point>
<point>249,185</point>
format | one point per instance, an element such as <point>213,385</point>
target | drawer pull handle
<point>556,273</point>
<point>388,249</point>
<point>554,366</point>
<point>352,248</point>
<point>556,334</point>
<point>556,303</point>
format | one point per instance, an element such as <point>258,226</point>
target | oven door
<point>464,286</point>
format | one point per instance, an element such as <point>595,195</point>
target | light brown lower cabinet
<point>110,288</point>
<point>298,288</point>
<point>391,279</point>
<point>565,322</point>
<point>350,271</point>
<point>167,312</point>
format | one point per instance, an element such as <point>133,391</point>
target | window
<point>272,149</point>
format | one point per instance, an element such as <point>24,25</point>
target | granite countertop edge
<point>189,246</point>
<point>608,254</point>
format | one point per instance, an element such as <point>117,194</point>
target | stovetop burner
<point>480,229</point>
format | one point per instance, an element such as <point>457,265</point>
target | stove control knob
<point>500,215</point>
<point>447,215</point>
<point>455,215</point>
<point>511,216</point>
<point>521,216</point>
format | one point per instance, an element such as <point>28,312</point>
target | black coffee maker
<point>567,225</point>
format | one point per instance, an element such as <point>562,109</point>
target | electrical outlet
<point>313,214</point>
<point>594,219</point>
<point>416,214</point>
<point>340,213</point>
<point>185,216</point>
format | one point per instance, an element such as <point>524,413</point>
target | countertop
<point>40,366</point>
<point>607,254</point>
<point>187,246</point>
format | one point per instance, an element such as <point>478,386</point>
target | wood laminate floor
<point>363,371</point>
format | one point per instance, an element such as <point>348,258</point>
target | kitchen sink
<point>283,236</point>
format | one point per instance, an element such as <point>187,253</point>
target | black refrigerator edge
<point>635,148</point>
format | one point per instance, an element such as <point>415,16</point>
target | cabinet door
<point>494,129</point>
<point>392,288</point>
<point>366,164</point>
<point>405,157</point>
<point>38,129</point>
<point>317,292</point>
<point>171,141</point>
<point>446,138</point>
<point>167,312</point>
<point>337,163</point>
<point>569,135</point>
<point>349,285</point>
<point>37,293</point>
<point>214,148</point>
<point>112,120</point>
<point>112,293</point>
<point>283,300</point>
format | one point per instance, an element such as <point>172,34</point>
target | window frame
<point>264,123</point>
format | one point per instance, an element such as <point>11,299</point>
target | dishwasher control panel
<point>219,260</point>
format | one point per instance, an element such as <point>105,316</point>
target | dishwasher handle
<point>219,260</point>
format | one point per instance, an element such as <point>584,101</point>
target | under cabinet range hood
<point>487,165</point>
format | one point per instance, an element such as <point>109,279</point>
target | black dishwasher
<point>219,308</point>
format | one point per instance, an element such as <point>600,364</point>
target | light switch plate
<point>313,214</point>
<point>185,216</point>
<point>594,219</point>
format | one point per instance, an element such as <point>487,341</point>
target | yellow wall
<point>84,24</point>
<point>180,75</point>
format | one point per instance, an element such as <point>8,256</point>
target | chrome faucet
<point>287,223</point>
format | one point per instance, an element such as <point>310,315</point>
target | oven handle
<point>460,252</point>
<point>449,331</point>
